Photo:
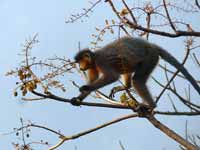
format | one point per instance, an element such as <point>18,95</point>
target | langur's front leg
<point>87,89</point>
<point>76,101</point>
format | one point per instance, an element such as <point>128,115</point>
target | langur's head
<point>85,59</point>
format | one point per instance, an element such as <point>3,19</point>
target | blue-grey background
<point>21,19</point>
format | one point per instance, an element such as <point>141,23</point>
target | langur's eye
<point>86,55</point>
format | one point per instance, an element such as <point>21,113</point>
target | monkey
<point>133,59</point>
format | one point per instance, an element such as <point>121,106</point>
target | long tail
<point>173,61</point>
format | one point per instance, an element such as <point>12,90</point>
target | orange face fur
<point>84,63</point>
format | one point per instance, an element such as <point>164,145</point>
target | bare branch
<point>171,133</point>
<point>161,33</point>
<point>75,136</point>
<point>178,113</point>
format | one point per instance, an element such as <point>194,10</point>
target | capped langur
<point>133,59</point>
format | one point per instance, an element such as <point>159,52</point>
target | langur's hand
<point>75,101</point>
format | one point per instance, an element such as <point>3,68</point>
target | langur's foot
<point>115,90</point>
<point>144,110</point>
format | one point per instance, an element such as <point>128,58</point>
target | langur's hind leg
<point>140,78</point>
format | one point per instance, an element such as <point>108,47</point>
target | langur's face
<point>84,62</point>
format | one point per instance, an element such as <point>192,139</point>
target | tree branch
<point>75,136</point>
<point>161,33</point>
<point>171,133</point>
<point>197,3</point>
<point>122,106</point>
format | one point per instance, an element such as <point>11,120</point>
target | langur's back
<point>127,47</point>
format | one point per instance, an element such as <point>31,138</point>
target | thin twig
<point>179,75</point>
<point>168,16</point>
<point>196,60</point>
<point>23,138</point>
<point>41,127</point>
<point>85,13</point>
<point>130,12</point>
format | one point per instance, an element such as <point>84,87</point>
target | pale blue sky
<point>23,18</point>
